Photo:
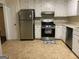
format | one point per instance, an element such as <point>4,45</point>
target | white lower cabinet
<point>38,33</point>
<point>75,44</point>
<point>37,29</point>
<point>64,33</point>
<point>58,32</point>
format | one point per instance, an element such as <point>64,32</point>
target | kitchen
<point>65,15</point>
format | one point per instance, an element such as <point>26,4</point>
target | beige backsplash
<point>74,20</point>
<point>61,20</point>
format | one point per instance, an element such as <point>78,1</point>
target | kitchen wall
<point>11,21</point>
<point>60,20</point>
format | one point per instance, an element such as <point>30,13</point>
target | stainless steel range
<point>48,30</point>
<point>48,27</point>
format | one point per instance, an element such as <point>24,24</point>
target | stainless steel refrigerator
<point>26,23</point>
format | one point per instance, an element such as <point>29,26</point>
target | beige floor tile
<point>37,50</point>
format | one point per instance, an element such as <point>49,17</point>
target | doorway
<point>2,26</point>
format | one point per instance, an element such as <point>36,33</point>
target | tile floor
<point>36,49</point>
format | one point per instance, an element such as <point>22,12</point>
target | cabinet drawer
<point>38,35</point>
<point>76,51</point>
<point>76,32</point>
<point>76,29</point>
<point>76,45</point>
<point>76,38</point>
<point>38,32</point>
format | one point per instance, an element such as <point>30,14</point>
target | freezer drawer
<point>26,31</point>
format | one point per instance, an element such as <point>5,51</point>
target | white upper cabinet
<point>48,5</point>
<point>59,6</point>
<point>73,7</point>
<point>26,4</point>
<point>37,7</point>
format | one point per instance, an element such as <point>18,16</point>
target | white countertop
<point>74,26</point>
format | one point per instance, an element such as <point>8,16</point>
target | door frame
<point>6,17</point>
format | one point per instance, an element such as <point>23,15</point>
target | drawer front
<point>76,39</point>
<point>38,33</point>
<point>76,51</point>
<point>76,32</point>
<point>76,44</point>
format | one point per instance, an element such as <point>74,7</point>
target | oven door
<point>48,32</point>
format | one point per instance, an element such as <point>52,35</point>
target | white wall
<point>11,21</point>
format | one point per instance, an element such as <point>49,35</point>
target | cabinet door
<point>64,33</point>
<point>48,5</point>
<point>72,7</point>
<point>75,45</point>
<point>60,8</point>
<point>38,33</point>
<point>58,32</point>
<point>27,4</point>
<point>37,29</point>
<point>38,8</point>
<point>24,4</point>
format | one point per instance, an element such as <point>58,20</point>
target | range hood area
<point>47,14</point>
